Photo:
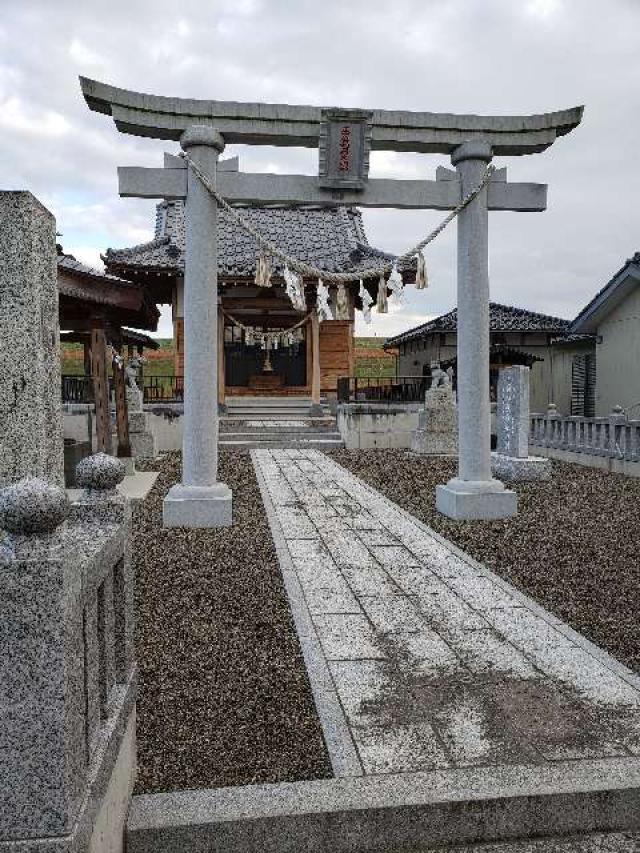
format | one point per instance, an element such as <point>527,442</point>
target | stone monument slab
<point>511,462</point>
<point>30,400</point>
<point>437,431</point>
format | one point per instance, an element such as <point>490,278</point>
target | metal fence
<point>382,389</point>
<point>163,389</point>
<point>76,388</point>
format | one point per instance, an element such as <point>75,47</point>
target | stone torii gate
<point>344,138</point>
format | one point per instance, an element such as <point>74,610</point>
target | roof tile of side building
<point>502,318</point>
<point>78,282</point>
<point>330,238</point>
<point>74,284</point>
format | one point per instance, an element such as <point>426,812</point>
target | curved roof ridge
<point>332,238</point>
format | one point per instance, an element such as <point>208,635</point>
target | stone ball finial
<point>617,410</point>
<point>32,506</point>
<point>552,409</point>
<point>100,472</point>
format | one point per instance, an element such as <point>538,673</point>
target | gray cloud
<point>486,56</point>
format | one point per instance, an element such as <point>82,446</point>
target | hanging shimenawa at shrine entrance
<point>326,287</point>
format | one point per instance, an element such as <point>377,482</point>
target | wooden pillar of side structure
<point>122,412</point>
<point>86,346</point>
<point>100,377</point>
<point>222,397</point>
<point>140,351</point>
<point>315,410</point>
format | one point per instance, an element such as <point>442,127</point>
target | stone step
<point>302,432</point>
<point>511,811</point>
<point>268,406</point>
<point>281,442</point>
<point>256,414</point>
<point>595,842</point>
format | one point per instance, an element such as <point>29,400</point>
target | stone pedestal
<point>469,500</point>
<point>200,500</point>
<point>474,493</point>
<point>198,506</point>
<point>141,439</point>
<point>30,401</point>
<point>520,469</point>
<point>511,462</point>
<point>134,399</point>
<point>436,434</point>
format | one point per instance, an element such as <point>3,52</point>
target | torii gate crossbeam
<point>344,139</point>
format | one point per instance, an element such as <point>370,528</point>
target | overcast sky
<point>464,56</point>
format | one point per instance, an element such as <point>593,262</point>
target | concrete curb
<point>392,813</point>
<point>342,752</point>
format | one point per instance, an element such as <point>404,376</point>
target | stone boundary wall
<point>611,443</point>
<point>366,426</point>
<point>78,420</point>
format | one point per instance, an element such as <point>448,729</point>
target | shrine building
<point>267,346</point>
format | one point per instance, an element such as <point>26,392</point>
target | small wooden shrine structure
<point>266,347</point>
<point>94,306</point>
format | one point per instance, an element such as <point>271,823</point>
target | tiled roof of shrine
<point>502,318</point>
<point>330,238</point>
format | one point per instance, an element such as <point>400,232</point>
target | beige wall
<point>550,378</point>
<point>618,358</point>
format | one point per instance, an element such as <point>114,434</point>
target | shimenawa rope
<point>307,269</point>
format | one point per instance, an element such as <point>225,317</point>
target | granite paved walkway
<point>420,658</point>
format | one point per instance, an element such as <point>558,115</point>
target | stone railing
<point>67,667</point>
<point>608,438</point>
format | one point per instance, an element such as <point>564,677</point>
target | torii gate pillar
<point>474,493</point>
<point>200,500</point>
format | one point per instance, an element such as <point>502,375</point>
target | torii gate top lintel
<point>163,117</point>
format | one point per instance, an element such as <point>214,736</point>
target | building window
<point>583,385</point>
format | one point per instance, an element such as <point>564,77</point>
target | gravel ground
<point>224,697</point>
<point>574,545</point>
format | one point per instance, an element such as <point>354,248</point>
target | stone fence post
<point>67,669</point>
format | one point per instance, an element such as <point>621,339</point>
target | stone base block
<point>134,400</point>
<point>143,445</point>
<point>463,500</point>
<point>316,410</point>
<point>513,469</point>
<point>137,421</point>
<point>198,506</point>
<point>434,444</point>
<point>129,465</point>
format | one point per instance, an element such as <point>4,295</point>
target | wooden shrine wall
<point>336,352</point>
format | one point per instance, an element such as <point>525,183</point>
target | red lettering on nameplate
<point>345,149</point>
